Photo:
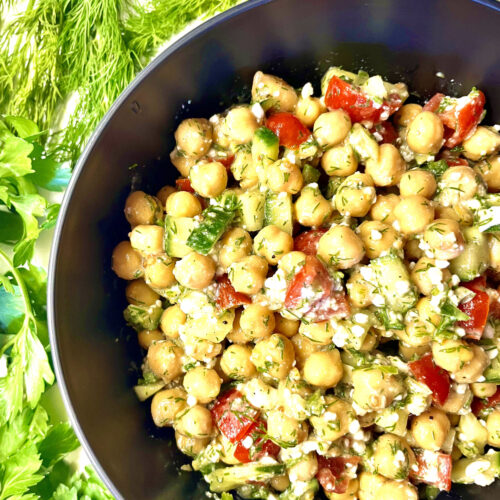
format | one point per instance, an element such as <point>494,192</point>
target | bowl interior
<point>96,357</point>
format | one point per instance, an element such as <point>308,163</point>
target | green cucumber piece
<point>251,210</point>
<point>363,143</point>
<point>278,211</point>
<point>474,260</point>
<point>216,219</point>
<point>145,391</point>
<point>143,317</point>
<point>485,469</point>
<point>265,150</point>
<point>177,231</point>
<point>310,174</point>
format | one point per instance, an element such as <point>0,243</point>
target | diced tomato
<point>259,447</point>
<point>289,129</point>
<point>227,161</point>
<point>452,160</point>
<point>233,415</point>
<point>334,474</point>
<point>386,131</point>
<point>476,308</point>
<point>461,115</point>
<point>357,104</point>
<point>314,277</point>
<point>307,242</point>
<point>478,404</point>
<point>434,468</point>
<point>227,296</point>
<point>184,184</point>
<point>433,376</point>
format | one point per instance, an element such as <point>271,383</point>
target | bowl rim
<point>77,171</point>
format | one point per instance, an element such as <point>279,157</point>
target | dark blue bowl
<point>212,67</point>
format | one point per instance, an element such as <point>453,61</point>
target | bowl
<point>96,357</point>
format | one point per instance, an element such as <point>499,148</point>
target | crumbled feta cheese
<point>191,400</point>
<point>307,90</point>
<point>258,111</point>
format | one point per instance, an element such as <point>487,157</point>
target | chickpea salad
<point>317,297</point>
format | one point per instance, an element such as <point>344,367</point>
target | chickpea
<point>425,133</point>
<point>430,429</point>
<point>183,204</point>
<point>260,394</point>
<point>288,327</point>
<point>413,214</point>
<point>148,337</point>
<point>417,333</point>
<point>339,160</point>
<point>236,364</point>
<point>195,422</point>
<point>243,169</point>
<point>284,177</point>
<point>126,262</point>
<point>320,333</point>
<point>195,271</point>
<point>383,208</point>
<point>141,208</point>
<point>489,170</point>
<point>360,292</point>
<point>182,162</point>
<point>483,142</point>
<point>494,251</point>
<point>458,184</point>
<point>280,483</point>
<point>374,389</point>
<point>140,294</point>
<point>392,457</point>
<point>355,195</point>
<point>331,128</point>
<point>190,446</point>
<point>417,181</point>
<point>171,320</point>
<point>240,125</point>
<point>272,243</point>
<point>444,238</point>
<point>167,404</point>
<point>237,335</point>
<point>409,353</point>
<point>247,275</point>
<point>164,359</point>
<point>350,493</point>
<point>274,355</point>
<point>456,401</point>
<point>291,262</point>
<point>334,422</point>
<point>235,244</point>
<point>341,247</point>
<point>396,490</point>
<point>202,383</point>
<point>257,321</point>
<point>159,271</point>
<point>147,240</point>
<point>377,238</point>
<point>164,193</point>
<point>426,275</point>
<point>273,92</point>
<point>370,484</point>
<point>282,428</point>
<point>305,469</point>
<point>194,136</point>
<point>370,342</point>
<point>483,389</point>
<point>456,211</point>
<point>472,370</point>
<point>493,427</point>
<point>303,348</point>
<point>311,209</point>
<point>406,114</point>
<point>452,354</point>
<point>201,349</point>
<point>208,179</point>
<point>308,109</point>
<point>324,368</point>
<point>388,168</point>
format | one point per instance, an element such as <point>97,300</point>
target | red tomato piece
<point>289,129</point>
<point>307,242</point>
<point>184,184</point>
<point>233,415</point>
<point>259,447</point>
<point>434,377</point>
<point>334,474</point>
<point>478,404</point>
<point>314,277</point>
<point>227,161</point>
<point>227,296</point>
<point>452,160</point>
<point>358,105</point>
<point>387,131</point>
<point>461,115</point>
<point>476,308</point>
<point>434,468</point>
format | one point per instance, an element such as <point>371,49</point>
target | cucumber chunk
<point>265,150</point>
<point>251,210</point>
<point>481,470</point>
<point>474,260</point>
<point>278,211</point>
<point>363,143</point>
<point>177,231</point>
<point>143,317</point>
